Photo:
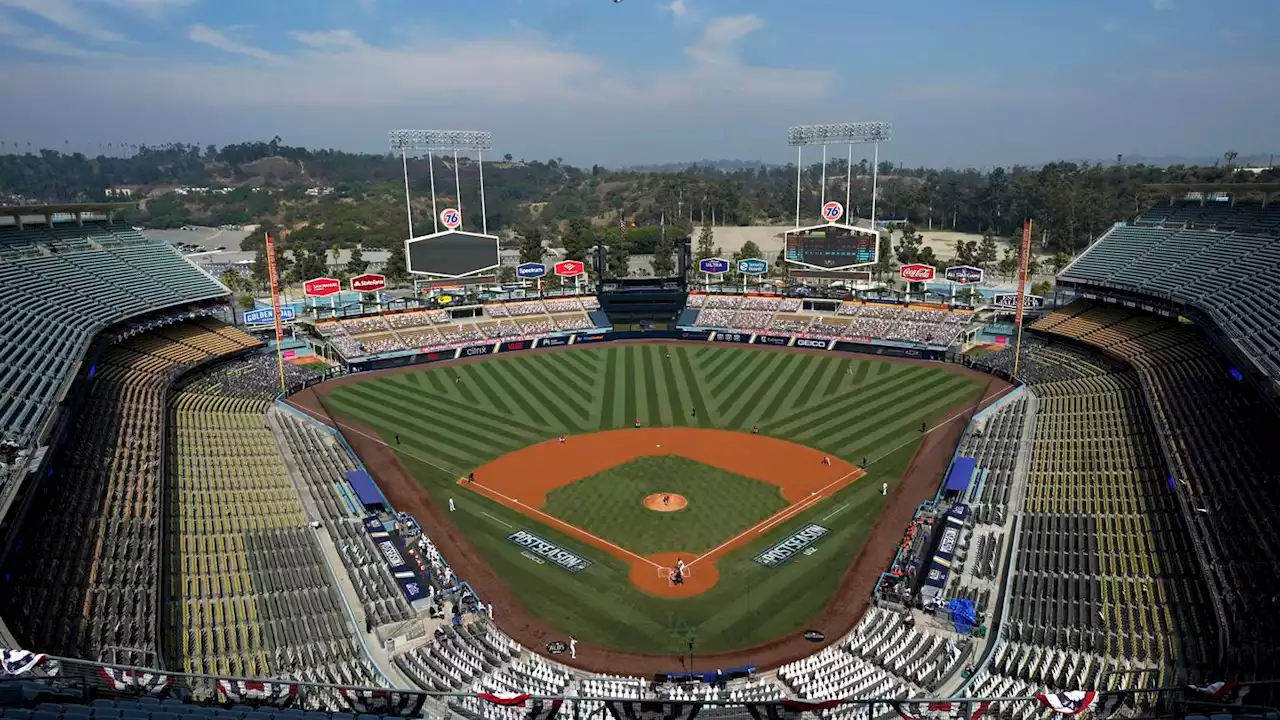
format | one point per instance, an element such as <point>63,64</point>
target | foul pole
<point>1024,258</point>
<point>275,308</point>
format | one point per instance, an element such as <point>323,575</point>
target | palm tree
<point>1230,156</point>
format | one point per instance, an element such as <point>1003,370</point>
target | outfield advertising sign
<point>736,337</point>
<point>779,340</point>
<point>266,316</point>
<point>753,266</point>
<point>811,343</point>
<point>548,550</point>
<point>792,546</point>
<point>475,350</point>
<point>515,345</point>
<point>554,341</point>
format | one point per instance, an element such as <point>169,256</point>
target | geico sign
<point>917,273</point>
<point>806,342</point>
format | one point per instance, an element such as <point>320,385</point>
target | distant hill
<point>720,165</point>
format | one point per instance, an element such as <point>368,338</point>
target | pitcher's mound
<point>665,502</point>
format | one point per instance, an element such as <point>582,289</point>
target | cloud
<point>678,8</point>
<point>153,8</point>
<point>214,38</point>
<point>329,39</point>
<point>19,36</point>
<point>1161,5</point>
<point>66,15</point>
<point>718,42</point>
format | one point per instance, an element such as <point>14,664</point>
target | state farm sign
<point>917,272</point>
<point>321,287</point>
<point>368,282</point>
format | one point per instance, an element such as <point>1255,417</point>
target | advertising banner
<point>729,336</point>
<point>778,340</point>
<point>547,550</point>
<point>792,546</point>
<point>935,580</point>
<point>554,341</point>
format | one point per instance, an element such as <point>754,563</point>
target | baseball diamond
<point>565,445</point>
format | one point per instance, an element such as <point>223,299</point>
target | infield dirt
<point>919,483</point>
<point>522,479</point>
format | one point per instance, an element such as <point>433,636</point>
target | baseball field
<point>582,478</point>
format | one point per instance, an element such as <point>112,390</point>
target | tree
<point>706,243</point>
<point>530,245</point>
<point>986,255</point>
<point>395,270</point>
<point>966,252</point>
<point>260,271</point>
<point>1044,288</point>
<point>1058,262</point>
<point>232,279</point>
<point>356,264</point>
<point>619,255</point>
<point>577,239</point>
<point>1008,264</point>
<point>749,250</point>
<point>506,275</point>
<point>908,248</point>
<point>663,262</point>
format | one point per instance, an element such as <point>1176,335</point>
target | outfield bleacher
<point>83,580</point>
<point>1230,276</point>
<point>437,330</point>
<point>61,285</point>
<point>855,321</point>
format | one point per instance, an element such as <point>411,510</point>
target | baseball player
<point>561,439</point>
<point>573,648</point>
<point>452,507</point>
<point>826,460</point>
<point>884,488</point>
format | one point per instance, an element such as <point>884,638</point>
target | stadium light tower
<point>839,134</point>
<point>443,141</point>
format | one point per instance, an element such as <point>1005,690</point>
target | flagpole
<point>275,308</point>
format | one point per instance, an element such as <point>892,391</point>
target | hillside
<point>330,198</point>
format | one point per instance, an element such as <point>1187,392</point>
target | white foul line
<point>835,512</point>
<point>500,521</point>
<point>512,501</point>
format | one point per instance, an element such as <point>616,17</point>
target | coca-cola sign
<point>368,282</point>
<point>917,272</point>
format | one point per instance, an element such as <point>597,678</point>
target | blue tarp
<point>961,474</point>
<point>963,614</point>
<point>367,491</point>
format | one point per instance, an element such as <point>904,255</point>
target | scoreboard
<point>451,254</point>
<point>831,247</point>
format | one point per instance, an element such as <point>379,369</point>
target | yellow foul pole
<point>1024,259</point>
<point>275,308</point>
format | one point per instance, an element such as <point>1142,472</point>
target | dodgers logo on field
<point>546,549</point>
<point>792,546</point>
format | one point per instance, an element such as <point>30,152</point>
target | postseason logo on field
<point>792,546</point>
<point>543,548</point>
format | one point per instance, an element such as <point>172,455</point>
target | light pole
<point>404,141</point>
<point>840,134</point>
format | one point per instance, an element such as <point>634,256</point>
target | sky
<point>972,83</point>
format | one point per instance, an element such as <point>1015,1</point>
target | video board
<point>831,247</point>
<point>451,254</point>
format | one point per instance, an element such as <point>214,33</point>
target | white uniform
<point>452,507</point>
<point>573,648</point>
<point>884,489</point>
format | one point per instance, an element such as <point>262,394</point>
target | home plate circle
<point>666,502</point>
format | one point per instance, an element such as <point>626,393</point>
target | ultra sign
<point>713,266</point>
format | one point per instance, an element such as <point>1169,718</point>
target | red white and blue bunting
<point>136,683</point>
<point>384,702</point>
<point>652,709</point>
<point>15,663</point>
<point>788,709</point>
<point>535,708</point>
<point>944,710</point>
<point>251,692</point>
<point>1070,702</point>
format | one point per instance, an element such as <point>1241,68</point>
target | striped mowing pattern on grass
<point>847,406</point>
<point>844,405</point>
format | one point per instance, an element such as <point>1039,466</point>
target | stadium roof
<point>1264,189</point>
<point>24,210</point>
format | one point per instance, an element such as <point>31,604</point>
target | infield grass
<point>852,407</point>
<point>611,505</point>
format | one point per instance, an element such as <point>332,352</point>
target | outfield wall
<point>593,337</point>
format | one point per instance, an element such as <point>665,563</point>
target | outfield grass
<point>611,505</point>
<point>847,406</point>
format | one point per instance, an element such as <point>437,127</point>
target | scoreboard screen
<point>452,254</point>
<point>831,247</point>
